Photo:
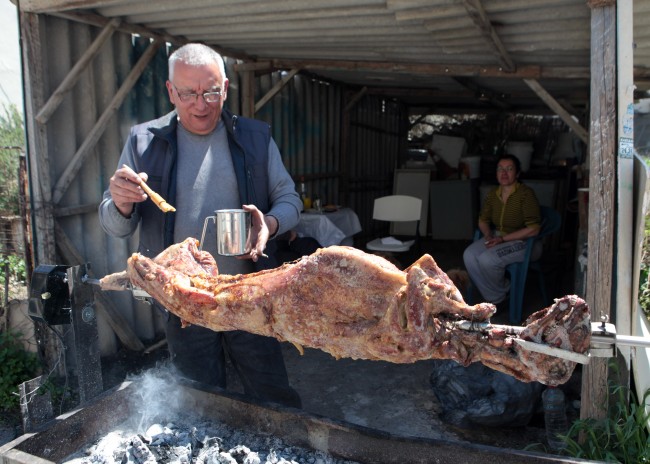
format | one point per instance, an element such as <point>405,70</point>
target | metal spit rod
<point>603,340</point>
<point>137,292</point>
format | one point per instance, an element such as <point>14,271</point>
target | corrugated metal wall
<point>306,116</point>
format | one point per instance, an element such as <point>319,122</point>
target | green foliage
<point>621,437</point>
<point>12,142</point>
<point>16,367</point>
<point>17,270</point>
<point>16,274</point>
<point>644,285</point>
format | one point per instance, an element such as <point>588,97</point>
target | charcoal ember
<point>219,444</point>
<point>244,455</point>
<point>208,455</point>
<point>140,452</point>
<point>181,454</point>
<point>272,458</point>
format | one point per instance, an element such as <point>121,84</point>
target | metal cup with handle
<point>233,231</point>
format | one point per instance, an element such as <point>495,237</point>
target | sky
<point>10,75</point>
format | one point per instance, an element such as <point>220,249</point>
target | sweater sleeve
<point>110,219</point>
<point>283,197</point>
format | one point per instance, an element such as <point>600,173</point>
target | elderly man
<point>203,158</point>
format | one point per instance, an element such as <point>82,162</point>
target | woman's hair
<point>195,54</point>
<point>512,158</point>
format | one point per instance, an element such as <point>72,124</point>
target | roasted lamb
<point>357,305</point>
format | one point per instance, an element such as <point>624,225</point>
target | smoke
<point>157,396</point>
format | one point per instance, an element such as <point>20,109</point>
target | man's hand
<point>262,227</point>
<point>125,189</point>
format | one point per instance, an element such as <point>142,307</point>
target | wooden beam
<point>480,93</point>
<point>96,132</point>
<point>355,99</point>
<point>100,21</point>
<point>275,89</point>
<point>430,69</point>
<point>46,6</point>
<point>106,308</point>
<point>480,18</point>
<point>73,76</point>
<point>76,210</point>
<point>546,97</point>
<point>602,198</point>
<point>433,69</point>
<point>254,66</point>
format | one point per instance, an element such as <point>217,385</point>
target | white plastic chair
<point>396,208</point>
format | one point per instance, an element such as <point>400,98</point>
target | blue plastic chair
<point>551,222</point>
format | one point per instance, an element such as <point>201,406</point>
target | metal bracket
<point>603,339</point>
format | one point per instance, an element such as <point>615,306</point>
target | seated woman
<point>510,214</point>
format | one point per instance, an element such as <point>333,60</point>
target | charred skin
<point>357,305</point>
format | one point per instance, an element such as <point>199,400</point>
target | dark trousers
<point>200,355</point>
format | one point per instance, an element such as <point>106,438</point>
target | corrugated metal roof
<point>426,52</point>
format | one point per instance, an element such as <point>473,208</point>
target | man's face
<point>195,114</point>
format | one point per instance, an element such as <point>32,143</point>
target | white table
<point>333,228</point>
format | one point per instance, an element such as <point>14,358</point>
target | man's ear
<point>224,91</point>
<point>170,92</point>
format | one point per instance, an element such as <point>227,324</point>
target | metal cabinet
<point>453,209</point>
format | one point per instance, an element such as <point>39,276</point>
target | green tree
<point>12,143</point>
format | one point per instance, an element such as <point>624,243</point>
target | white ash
<point>205,442</point>
<point>162,432</point>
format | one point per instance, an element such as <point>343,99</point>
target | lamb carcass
<point>357,305</point>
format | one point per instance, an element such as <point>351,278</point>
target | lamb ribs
<point>357,305</point>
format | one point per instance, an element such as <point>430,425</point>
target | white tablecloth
<point>335,228</point>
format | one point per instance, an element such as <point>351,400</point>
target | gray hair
<point>195,54</point>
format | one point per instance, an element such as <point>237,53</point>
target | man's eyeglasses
<point>208,97</point>
<point>506,169</point>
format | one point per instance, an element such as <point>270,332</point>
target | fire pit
<point>75,433</point>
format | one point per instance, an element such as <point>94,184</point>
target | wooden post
<point>37,137</point>
<point>602,193</point>
<point>39,172</point>
<point>248,94</point>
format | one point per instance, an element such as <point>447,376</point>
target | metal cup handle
<point>205,226</point>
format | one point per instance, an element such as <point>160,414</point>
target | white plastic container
<point>523,151</point>
<point>450,149</point>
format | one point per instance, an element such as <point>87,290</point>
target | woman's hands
<point>492,241</point>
